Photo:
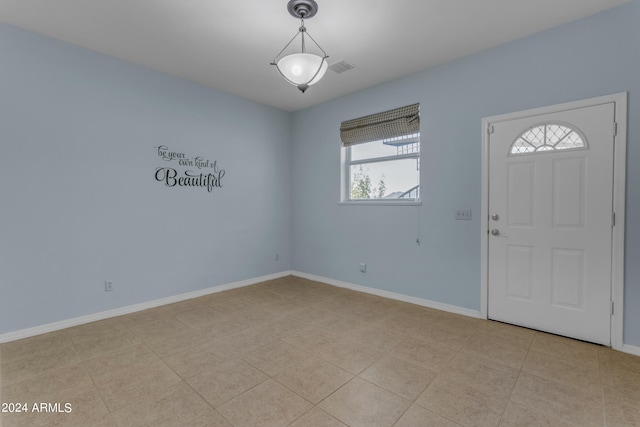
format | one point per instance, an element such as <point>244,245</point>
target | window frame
<point>345,176</point>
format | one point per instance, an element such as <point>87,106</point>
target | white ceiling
<point>229,44</point>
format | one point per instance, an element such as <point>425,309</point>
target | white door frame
<point>619,180</point>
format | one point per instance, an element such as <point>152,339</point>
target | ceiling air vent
<point>340,66</point>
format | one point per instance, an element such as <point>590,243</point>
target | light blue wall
<point>78,200</point>
<point>79,204</point>
<point>596,56</point>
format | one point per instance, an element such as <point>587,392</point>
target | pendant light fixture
<point>302,69</point>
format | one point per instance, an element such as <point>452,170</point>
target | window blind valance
<point>389,124</point>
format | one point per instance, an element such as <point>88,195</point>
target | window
<point>547,137</point>
<point>381,157</point>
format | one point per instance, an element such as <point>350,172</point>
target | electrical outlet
<point>463,214</point>
<point>108,285</point>
<point>363,267</point>
<point>277,257</point>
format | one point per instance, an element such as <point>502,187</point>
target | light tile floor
<point>292,352</point>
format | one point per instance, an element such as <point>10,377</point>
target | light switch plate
<point>463,214</point>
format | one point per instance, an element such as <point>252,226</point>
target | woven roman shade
<point>375,127</point>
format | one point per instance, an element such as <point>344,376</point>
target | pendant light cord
<point>303,30</point>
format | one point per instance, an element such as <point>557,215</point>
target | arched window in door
<point>548,137</point>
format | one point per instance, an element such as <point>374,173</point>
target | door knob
<point>495,217</point>
<point>495,232</point>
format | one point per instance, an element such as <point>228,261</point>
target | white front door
<point>550,222</point>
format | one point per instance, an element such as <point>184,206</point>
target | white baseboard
<point>626,348</point>
<point>391,295</point>
<point>631,349</point>
<point>55,326</point>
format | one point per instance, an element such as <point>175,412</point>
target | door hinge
<point>490,129</point>
<point>613,219</point>
<point>612,308</point>
<point>615,128</point>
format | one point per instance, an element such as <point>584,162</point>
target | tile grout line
<point>515,383</point>
<point>604,407</point>
<point>385,353</point>
<point>440,372</point>
<point>86,370</point>
<point>184,380</point>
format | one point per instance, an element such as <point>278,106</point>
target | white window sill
<point>381,203</point>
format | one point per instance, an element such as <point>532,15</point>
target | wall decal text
<point>208,176</point>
